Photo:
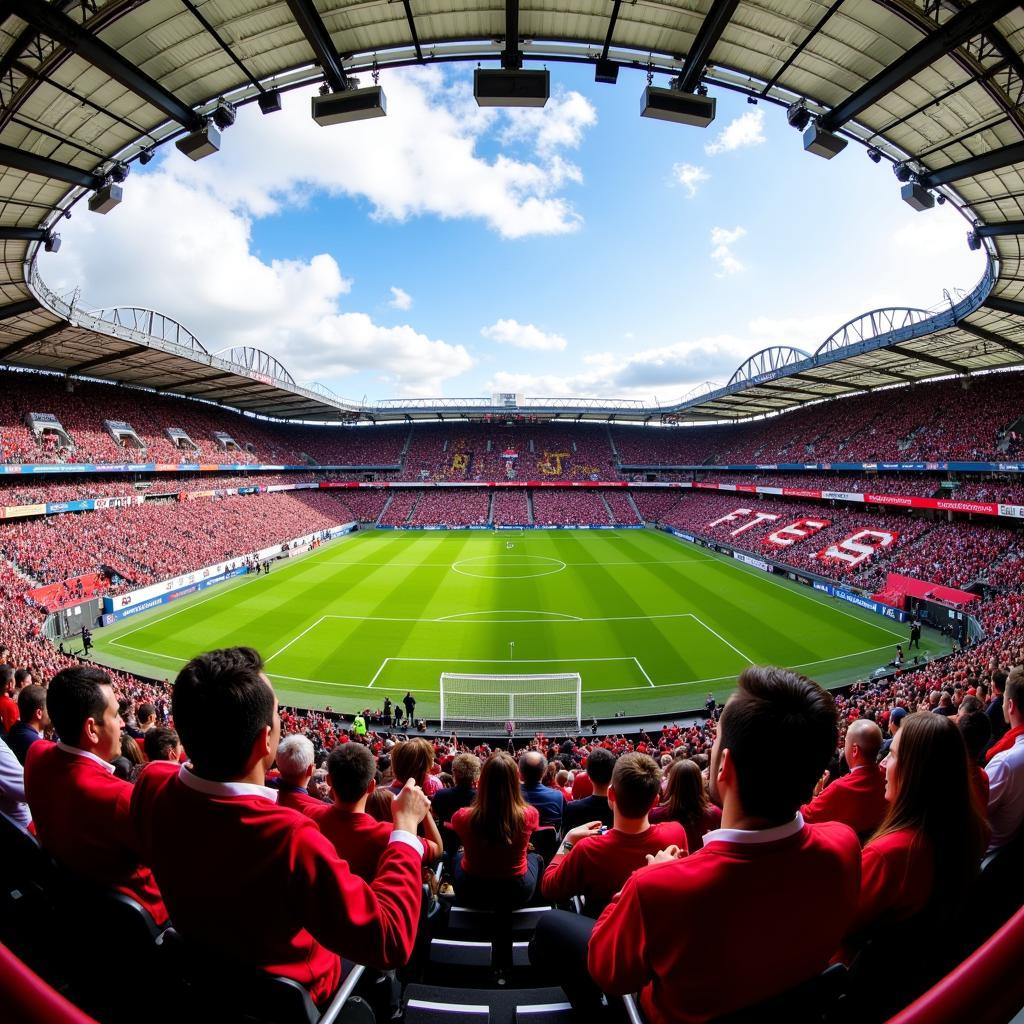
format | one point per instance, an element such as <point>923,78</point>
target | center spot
<point>509,567</point>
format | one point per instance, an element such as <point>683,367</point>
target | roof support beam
<point>800,49</point>
<point>108,357</point>
<point>412,29</point>
<point>313,28</point>
<point>18,308</point>
<point>825,380</point>
<point>1006,306</point>
<point>32,163</point>
<point>22,234</point>
<point>611,28</point>
<point>1009,227</point>
<point>973,165</point>
<point>710,31</point>
<point>31,339</point>
<point>934,360</point>
<point>511,56</point>
<point>954,33</point>
<point>75,37</point>
<point>985,335</point>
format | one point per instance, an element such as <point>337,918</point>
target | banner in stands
<point>799,530</point>
<point>858,547</point>
<point>757,563</point>
<point>861,602</point>
<point>55,596</point>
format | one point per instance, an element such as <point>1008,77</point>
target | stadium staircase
<point>607,508</point>
<point>384,511</point>
<point>490,509</point>
<point>633,506</point>
<point>616,458</point>
<point>529,506</point>
<point>405,449</point>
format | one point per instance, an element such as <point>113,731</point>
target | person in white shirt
<point>1006,770</point>
<point>12,788</point>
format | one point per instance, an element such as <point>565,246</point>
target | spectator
<point>413,759</point>
<point>600,765</point>
<point>550,803</point>
<point>594,862</point>
<point>858,798</point>
<point>32,721</point>
<point>269,889</point>
<point>1005,768</point>
<point>79,808</point>
<point>12,788</point>
<point>494,868</point>
<point>379,804</point>
<point>976,730</point>
<point>8,705</point>
<point>776,735</point>
<point>296,763</point>
<point>466,772</point>
<point>995,707</point>
<point>686,802</point>
<point>162,744</point>
<point>896,716</point>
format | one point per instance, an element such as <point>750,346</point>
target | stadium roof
<point>933,87</point>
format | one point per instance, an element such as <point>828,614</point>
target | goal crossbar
<point>549,700</point>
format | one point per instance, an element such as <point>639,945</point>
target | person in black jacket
<point>410,705</point>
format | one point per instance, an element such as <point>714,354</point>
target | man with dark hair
<point>32,721</point>
<point>410,705</point>
<point>253,880</point>
<point>81,811</point>
<point>550,803</point>
<point>995,706</point>
<point>8,705</point>
<point>145,718</point>
<point>775,737</point>
<point>593,861</point>
<point>162,744</point>
<point>600,765</point>
<point>466,773</point>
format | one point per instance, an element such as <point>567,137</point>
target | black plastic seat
<point>431,1004</point>
<point>545,842</point>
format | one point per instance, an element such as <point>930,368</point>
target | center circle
<point>513,567</point>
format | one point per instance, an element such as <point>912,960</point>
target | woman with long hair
<point>413,759</point>
<point>933,832</point>
<point>494,868</point>
<point>686,801</point>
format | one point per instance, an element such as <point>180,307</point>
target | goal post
<point>551,701</point>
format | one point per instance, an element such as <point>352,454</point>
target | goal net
<point>492,701</point>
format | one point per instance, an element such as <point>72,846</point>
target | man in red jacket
<point>252,879</point>
<point>764,905</point>
<point>80,809</point>
<point>857,799</point>
<point>296,763</point>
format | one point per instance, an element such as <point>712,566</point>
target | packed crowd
<point>452,508</point>
<point>510,508</point>
<point>557,507</point>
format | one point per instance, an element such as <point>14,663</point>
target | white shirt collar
<point>748,836</point>
<point>201,785</point>
<point>76,752</point>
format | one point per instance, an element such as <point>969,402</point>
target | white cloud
<point>400,299</point>
<point>690,176</point>
<point>745,130</point>
<point>722,241</point>
<point>422,159</point>
<point>561,122</point>
<point>511,332</point>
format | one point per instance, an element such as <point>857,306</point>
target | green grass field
<point>650,623</point>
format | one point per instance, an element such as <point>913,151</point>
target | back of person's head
<point>145,713</point>
<point>531,766</point>
<point>378,803</point>
<point>22,677</point>
<point>221,702</point>
<point>976,729</point>
<point>31,700</point>
<point>161,744</point>
<point>6,678</point>
<point>466,769</point>
<point>780,729</point>
<point>866,737</point>
<point>73,697</point>
<point>685,795</point>
<point>999,681</point>
<point>295,756</point>
<point>412,759</point>
<point>561,778</point>
<point>130,750</point>
<point>351,768</point>
<point>930,791</point>
<point>969,705</point>
<point>600,766</point>
<point>636,779</point>
<point>499,810</point>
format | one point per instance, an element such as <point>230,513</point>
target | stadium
<point>437,708</point>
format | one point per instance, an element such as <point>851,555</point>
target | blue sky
<point>575,250</point>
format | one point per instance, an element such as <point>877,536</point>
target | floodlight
<point>903,171</point>
<point>973,241</point>
<point>145,156</point>
<point>119,172</point>
<point>224,114</point>
<point>200,143</point>
<point>105,198</point>
<point>51,243</point>
<point>798,116</point>
<point>874,155</point>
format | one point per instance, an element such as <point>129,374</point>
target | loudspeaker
<point>917,198</point>
<point>823,143</point>
<point>350,105</point>
<point>607,71</point>
<point>501,88</point>
<point>680,107</point>
<point>103,200</point>
<point>201,143</point>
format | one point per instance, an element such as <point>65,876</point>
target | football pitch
<point>650,623</point>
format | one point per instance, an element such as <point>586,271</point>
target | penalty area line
<point>293,640</point>
<point>749,661</point>
<point>650,682</point>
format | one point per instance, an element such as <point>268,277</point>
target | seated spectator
<point>600,765</point>
<point>79,808</point>
<point>32,721</point>
<point>413,759</point>
<point>162,744</point>
<point>896,716</point>
<point>581,785</point>
<point>296,764</point>
<point>466,772</point>
<point>563,780</point>
<point>932,838</point>
<point>594,862</point>
<point>1005,768</point>
<point>776,735</point>
<point>8,705</point>
<point>252,880</point>
<point>995,707</point>
<point>130,761</point>
<point>12,788</point>
<point>976,730</point>
<point>359,839</point>
<point>686,802</point>
<point>494,868</point>
<point>858,798</point>
<point>550,803</point>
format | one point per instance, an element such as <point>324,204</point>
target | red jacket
<point>80,810</point>
<point>597,867</point>
<point>897,877</point>
<point>483,858</point>
<point>857,800</point>
<point>260,882</point>
<point>298,799</point>
<point>777,911</point>
<point>359,839</point>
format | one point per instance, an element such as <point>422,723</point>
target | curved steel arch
<point>769,362</point>
<point>871,325</point>
<point>151,322</point>
<point>255,360</point>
